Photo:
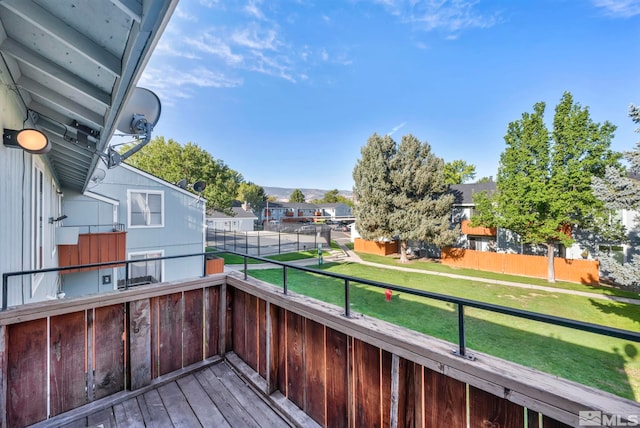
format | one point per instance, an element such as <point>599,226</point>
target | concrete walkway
<point>346,255</point>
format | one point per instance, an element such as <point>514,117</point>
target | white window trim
<point>146,253</point>
<point>156,192</point>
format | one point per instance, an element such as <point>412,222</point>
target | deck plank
<point>247,397</point>
<point>128,415</point>
<point>177,406</point>
<point>201,403</point>
<point>228,405</point>
<point>213,396</point>
<point>105,418</point>
<point>152,407</point>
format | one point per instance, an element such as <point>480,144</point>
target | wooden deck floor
<point>214,396</point>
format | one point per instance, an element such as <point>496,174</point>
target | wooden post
<point>3,374</point>
<point>222,321</point>
<point>90,356</point>
<point>395,372</point>
<point>139,334</point>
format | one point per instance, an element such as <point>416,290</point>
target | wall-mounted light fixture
<point>55,220</point>
<point>29,140</point>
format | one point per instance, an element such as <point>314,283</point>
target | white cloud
<point>252,9</point>
<point>396,128</point>
<point>211,44</point>
<point>171,84</point>
<point>449,16</point>
<point>182,14</point>
<point>256,38</point>
<point>619,8</point>
<point>324,55</point>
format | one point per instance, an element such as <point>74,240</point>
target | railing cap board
<point>50,308</point>
<point>558,398</point>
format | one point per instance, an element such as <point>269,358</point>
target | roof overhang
<point>74,65</point>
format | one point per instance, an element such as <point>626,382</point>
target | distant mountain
<point>282,193</point>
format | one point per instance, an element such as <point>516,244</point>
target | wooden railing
<point>340,370</point>
<point>57,356</point>
<point>93,248</point>
<point>478,231</point>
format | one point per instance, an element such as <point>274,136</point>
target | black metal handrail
<point>348,280</point>
<point>7,275</point>
<point>460,302</point>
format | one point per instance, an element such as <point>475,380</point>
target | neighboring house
<point>67,72</point>
<point>289,212</point>
<point>334,211</point>
<point>474,238</point>
<point>503,240</point>
<point>159,218</point>
<point>243,219</point>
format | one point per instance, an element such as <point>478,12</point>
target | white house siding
<point>16,215</point>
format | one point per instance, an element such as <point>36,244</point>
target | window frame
<point>147,214</point>
<point>146,254</point>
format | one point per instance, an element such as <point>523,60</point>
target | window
<point>145,271</point>
<point>146,209</point>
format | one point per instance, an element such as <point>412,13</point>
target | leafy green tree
<point>458,172</point>
<point>297,196</point>
<point>173,162</point>
<point>252,194</point>
<point>333,197</point>
<point>544,178</point>
<point>618,191</point>
<point>485,180</point>
<point>401,193</point>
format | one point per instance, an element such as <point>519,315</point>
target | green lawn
<point>232,259</point>
<point>609,364</point>
<point>428,265</point>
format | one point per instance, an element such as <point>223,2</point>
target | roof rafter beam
<point>132,8</point>
<point>62,76</point>
<point>64,103</point>
<point>60,31</point>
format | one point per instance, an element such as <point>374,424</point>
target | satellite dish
<point>199,186</point>
<point>98,175</point>
<point>138,117</point>
<point>182,183</point>
<point>141,109</point>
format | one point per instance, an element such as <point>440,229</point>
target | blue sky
<point>287,92</point>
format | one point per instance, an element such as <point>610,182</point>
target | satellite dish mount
<point>138,119</point>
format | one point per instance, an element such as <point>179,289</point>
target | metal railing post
<point>284,278</point>
<point>204,265</point>
<point>126,275</point>
<point>234,240</point>
<point>245,267</point>
<point>246,242</point>
<point>258,244</point>
<point>5,291</point>
<point>298,240</point>
<point>347,304</point>
<point>462,345</point>
<point>279,236</point>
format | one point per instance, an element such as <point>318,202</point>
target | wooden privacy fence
<point>582,271</point>
<point>381,248</point>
